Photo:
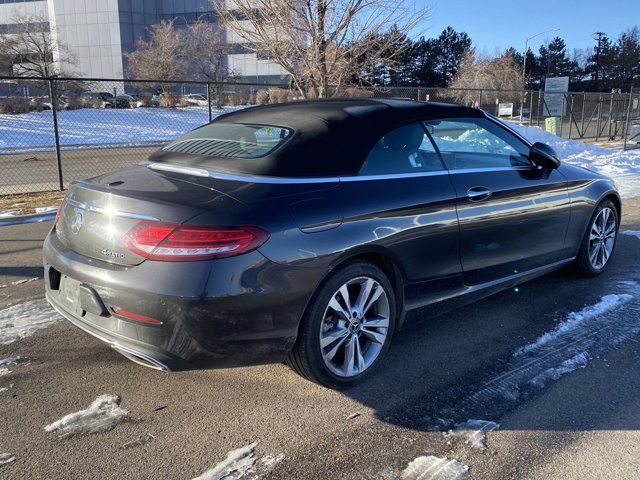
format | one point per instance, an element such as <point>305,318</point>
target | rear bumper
<point>138,353</point>
<point>233,311</point>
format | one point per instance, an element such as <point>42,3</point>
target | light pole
<point>526,49</point>
<point>524,67</point>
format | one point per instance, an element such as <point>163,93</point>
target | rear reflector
<point>135,316</point>
<point>58,212</point>
<point>175,242</point>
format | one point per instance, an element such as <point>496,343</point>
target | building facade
<point>99,32</point>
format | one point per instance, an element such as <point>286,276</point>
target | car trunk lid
<point>98,213</point>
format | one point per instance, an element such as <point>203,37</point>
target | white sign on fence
<point>505,109</point>
<point>554,99</point>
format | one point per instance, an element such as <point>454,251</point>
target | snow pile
<point>434,468</point>
<point>6,458</point>
<point>612,162</point>
<point>102,415</point>
<point>576,319</point>
<point>634,233</point>
<point>474,432</point>
<point>24,319</point>
<point>238,463</point>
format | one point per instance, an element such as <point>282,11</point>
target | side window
<point>404,150</point>
<point>476,143</point>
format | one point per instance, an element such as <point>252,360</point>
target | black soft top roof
<point>330,137</point>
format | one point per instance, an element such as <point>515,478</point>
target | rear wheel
<point>599,240</point>
<point>347,328</point>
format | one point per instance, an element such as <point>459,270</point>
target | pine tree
<point>627,63</point>
<point>451,46</point>
<point>601,63</point>
<point>554,60</point>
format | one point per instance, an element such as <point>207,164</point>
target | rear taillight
<point>175,242</point>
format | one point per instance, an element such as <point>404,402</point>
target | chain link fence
<point>55,131</point>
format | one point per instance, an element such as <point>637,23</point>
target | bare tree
<point>322,43</point>
<point>161,58</point>
<point>501,73</point>
<point>206,50</point>
<point>34,49</point>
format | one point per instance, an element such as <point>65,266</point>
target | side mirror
<point>544,156</point>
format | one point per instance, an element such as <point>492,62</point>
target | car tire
<point>364,335</point>
<point>585,265</point>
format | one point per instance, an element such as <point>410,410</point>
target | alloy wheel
<point>354,327</point>
<point>602,238</point>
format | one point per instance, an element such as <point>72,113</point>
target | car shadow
<point>463,365</point>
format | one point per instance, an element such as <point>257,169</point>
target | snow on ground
<point>623,166</point>
<point>20,220</point>
<point>238,463</point>
<point>10,213</point>
<point>241,464</point>
<point>14,361</point>
<point>587,333</point>
<point>474,432</point>
<point>24,319</point>
<point>6,458</point>
<point>435,468</point>
<point>19,282</point>
<point>575,319</point>
<point>580,360</point>
<point>49,209</point>
<point>142,440</point>
<point>634,233</point>
<point>102,415</point>
<point>106,126</point>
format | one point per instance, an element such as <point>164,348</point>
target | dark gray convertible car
<point>311,231</point>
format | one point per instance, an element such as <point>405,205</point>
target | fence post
<point>627,120</point>
<point>53,96</point>
<point>538,110</point>
<point>610,114</point>
<point>480,99</point>
<point>584,102</point>
<point>209,101</point>
<point>530,106</point>
<point>599,122</point>
<point>571,115</point>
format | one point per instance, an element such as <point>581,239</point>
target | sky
<point>494,25</point>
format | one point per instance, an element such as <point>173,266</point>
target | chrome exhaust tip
<point>141,358</point>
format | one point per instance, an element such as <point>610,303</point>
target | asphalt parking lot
<point>576,423</point>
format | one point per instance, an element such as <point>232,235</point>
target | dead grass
<point>27,202</point>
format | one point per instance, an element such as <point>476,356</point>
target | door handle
<point>477,194</point>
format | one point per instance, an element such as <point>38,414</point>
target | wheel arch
<point>381,258</point>
<point>615,199</point>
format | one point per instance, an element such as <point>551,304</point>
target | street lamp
<point>526,49</point>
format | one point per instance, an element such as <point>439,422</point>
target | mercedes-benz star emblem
<point>78,219</point>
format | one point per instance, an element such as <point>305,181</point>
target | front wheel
<point>599,240</point>
<point>348,327</point>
